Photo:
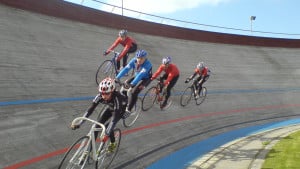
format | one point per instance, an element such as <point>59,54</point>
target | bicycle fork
<point>84,155</point>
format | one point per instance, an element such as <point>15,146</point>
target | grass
<point>285,154</point>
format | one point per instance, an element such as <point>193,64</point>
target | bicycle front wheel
<point>149,98</point>
<point>135,113</point>
<point>105,158</point>
<point>186,96</point>
<point>76,157</point>
<point>202,96</point>
<point>106,69</point>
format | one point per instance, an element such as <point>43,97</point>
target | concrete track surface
<point>44,59</point>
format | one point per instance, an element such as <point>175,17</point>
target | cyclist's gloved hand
<point>117,81</point>
<point>75,126</point>
<point>129,90</point>
<point>141,87</point>
<point>187,80</point>
<point>105,53</point>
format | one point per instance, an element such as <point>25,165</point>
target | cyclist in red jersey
<point>129,44</point>
<point>171,76</point>
<point>203,73</point>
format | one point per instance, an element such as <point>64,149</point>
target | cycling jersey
<point>128,42</point>
<point>172,71</point>
<point>142,71</point>
<point>116,106</point>
<point>204,72</point>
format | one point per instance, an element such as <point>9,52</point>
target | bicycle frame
<point>113,59</point>
<point>155,96</point>
<point>91,136</point>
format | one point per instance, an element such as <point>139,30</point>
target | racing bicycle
<point>155,95</point>
<point>190,92</point>
<point>108,68</point>
<point>86,149</point>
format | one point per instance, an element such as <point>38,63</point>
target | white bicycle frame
<point>91,136</point>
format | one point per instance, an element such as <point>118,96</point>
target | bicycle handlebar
<point>77,119</point>
<point>115,52</point>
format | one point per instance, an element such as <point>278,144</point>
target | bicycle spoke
<point>76,157</point>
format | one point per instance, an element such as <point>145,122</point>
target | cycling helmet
<point>200,65</point>
<point>166,60</point>
<point>107,85</point>
<point>141,54</point>
<point>123,33</point>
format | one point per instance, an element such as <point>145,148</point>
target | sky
<point>273,18</point>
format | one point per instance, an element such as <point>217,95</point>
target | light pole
<point>252,18</point>
<point>122,7</point>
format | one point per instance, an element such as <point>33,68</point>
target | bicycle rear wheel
<point>202,96</point>
<point>186,96</point>
<point>105,158</point>
<point>135,113</point>
<point>106,69</point>
<point>76,157</point>
<point>149,98</point>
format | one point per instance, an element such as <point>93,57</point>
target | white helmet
<point>166,60</point>
<point>200,65</point>
<point>107,85</point>
<point>123,32</point>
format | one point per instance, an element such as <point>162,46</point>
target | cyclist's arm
<point>157,73</point>
<point>126,69</point>
<point>90,110</point>
<point>204,72</point>
<point>123,53</point>
<point>173,72</point>
<point>114,45</point>
<point>193,75</point>
<point>126,48</point>
<point>143,74</point>
<point>95,103</point>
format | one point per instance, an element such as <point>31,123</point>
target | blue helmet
<point>141,54</point>
<point>166,60</point>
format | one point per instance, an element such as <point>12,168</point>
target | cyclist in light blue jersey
<point>143,72</point>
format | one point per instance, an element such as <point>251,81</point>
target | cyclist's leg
<point>162,79</point>
<point>134,97</point>
<point>132,49</point>
<point>103,119</point>
<point>196,83</point>
<point>202,81</point>
<point>132,100</point>
<point>118,65</point>
<point>128,94</point>
<point>125,58</point>
<point>170,86</point>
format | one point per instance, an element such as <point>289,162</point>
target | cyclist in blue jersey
<point>143,72</point>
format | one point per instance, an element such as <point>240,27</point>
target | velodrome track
<point>47,71</point>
